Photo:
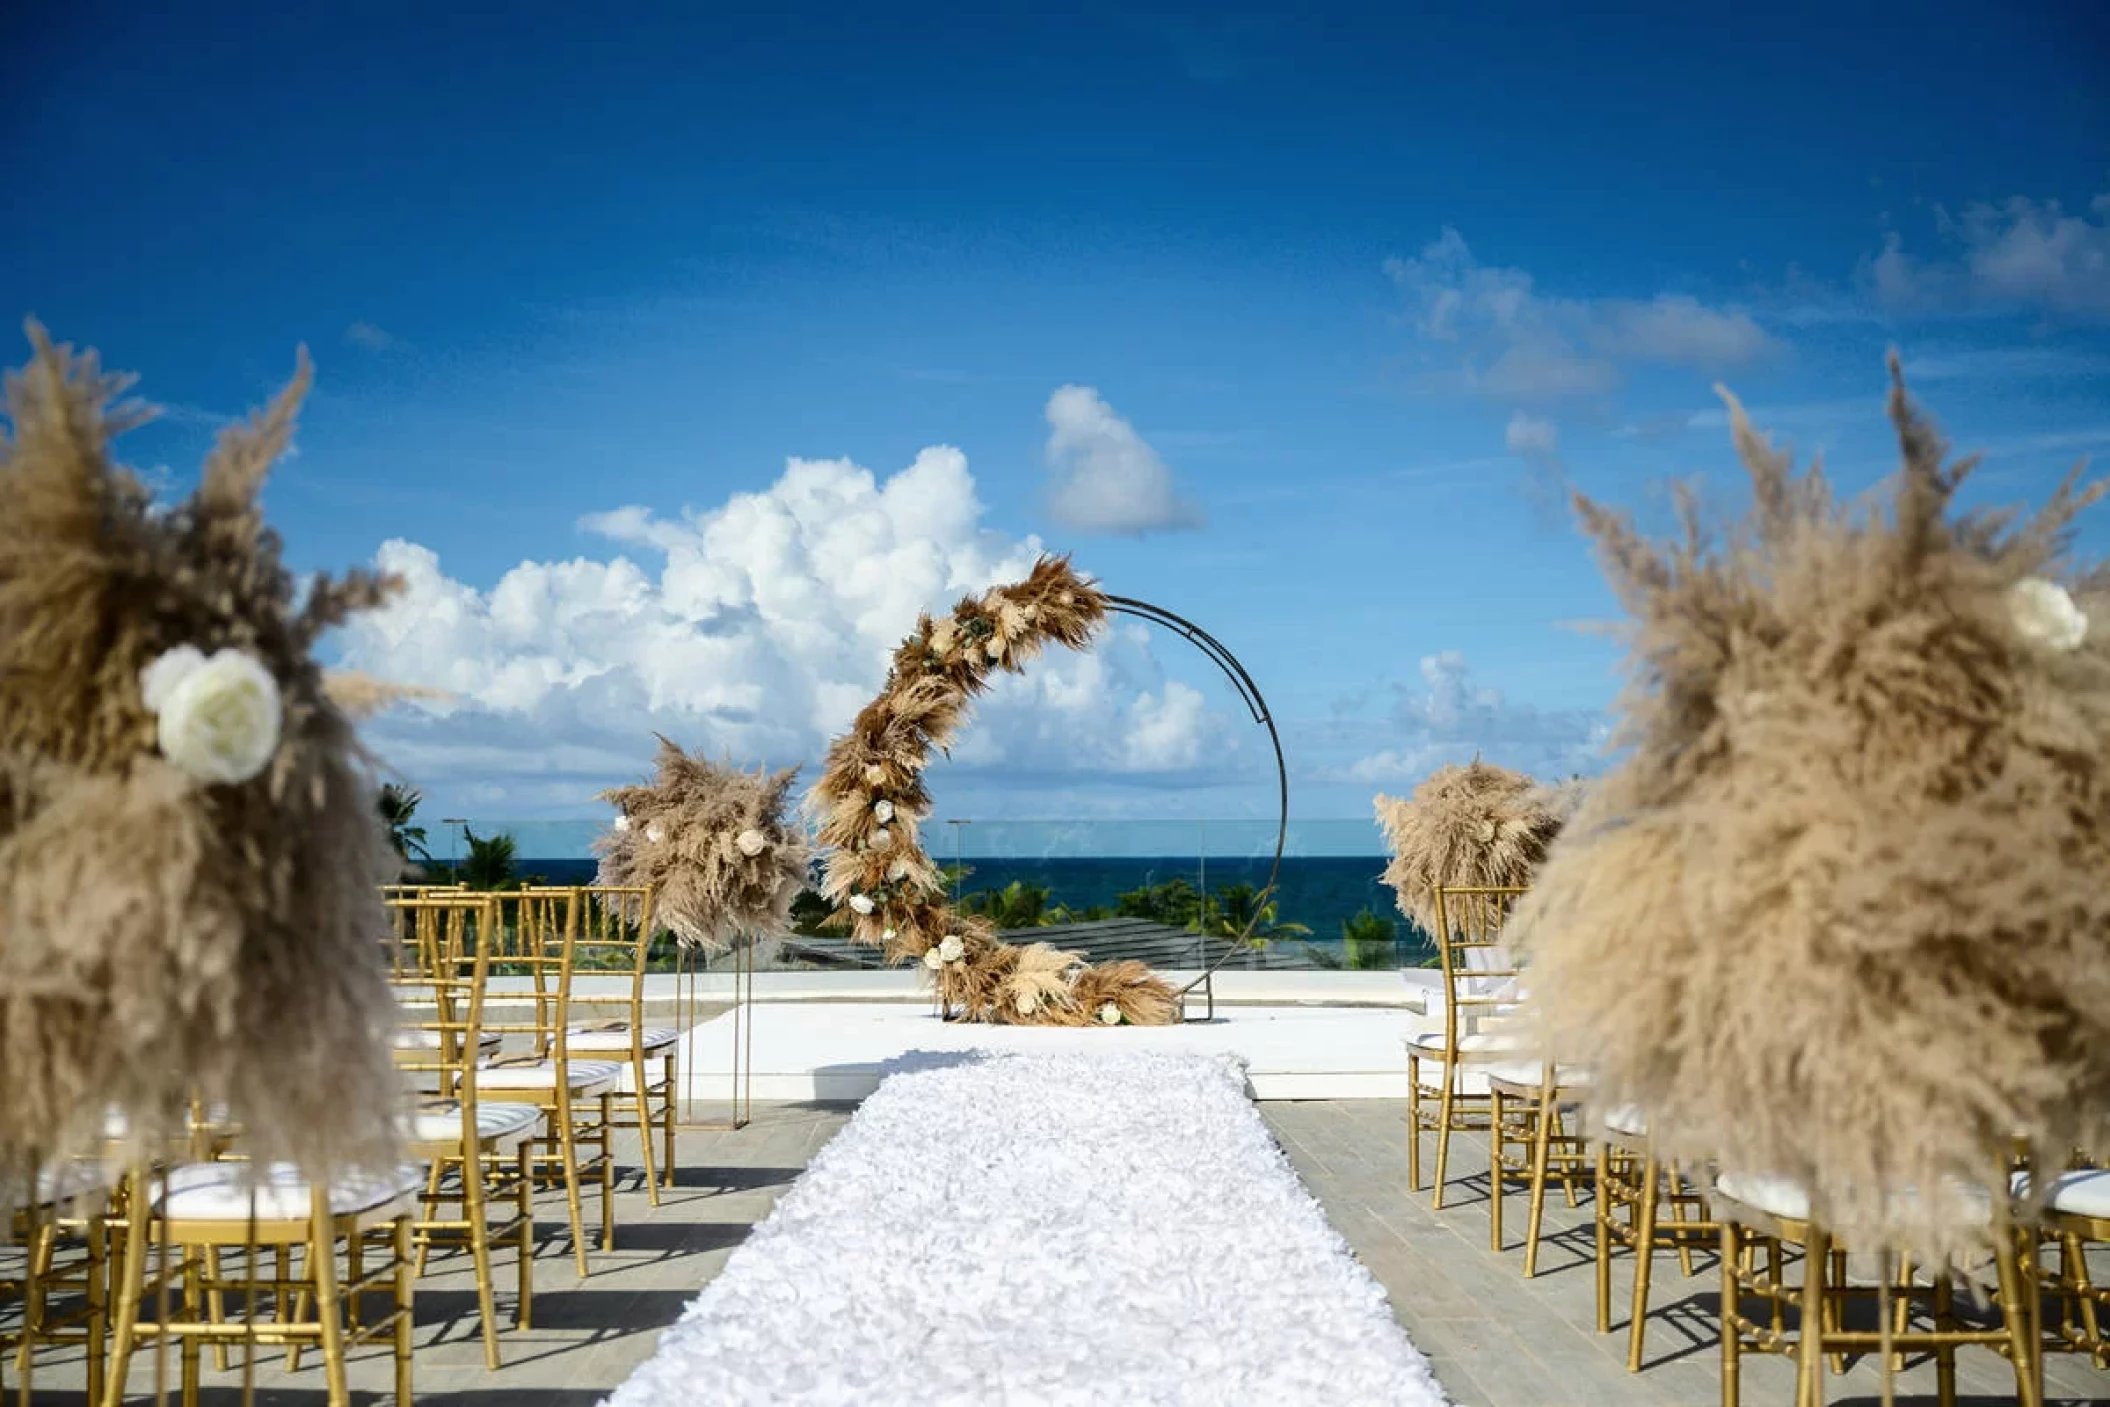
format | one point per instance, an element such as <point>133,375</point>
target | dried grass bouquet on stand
<point>872,801</point>
<point>714,843</point>
<point>1473,826</point>
<point>1843,913</point>
<point>190,856</point>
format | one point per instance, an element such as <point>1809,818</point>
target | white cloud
<point>365,334</point>
<point>1533,437</point>
<point>760,630</point>
<point>1454,718</point>
<point>1516,343</point>
<point>1106,478</point>
<point>2019,255</point>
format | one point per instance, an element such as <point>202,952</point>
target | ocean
<point>1319,891</point>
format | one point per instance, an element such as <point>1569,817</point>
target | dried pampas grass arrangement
<point>1473,826</point>
<point>190,858</point>
<point>1841,915</point>
<point>871,802</point>
<point>714,843</point>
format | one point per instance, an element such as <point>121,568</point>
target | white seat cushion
<point>421,1038</point>
<point>77,1180</point>
<point>1531,1073</point>
<point>616,1037</point>
<point>221,1192</point>
<point>1790,1201</point>
<point>1480,1043</point>
<point>441,1122</point>
<point>542,1074</point>
<point>1627,1119</point>
<point>2082,1193</point>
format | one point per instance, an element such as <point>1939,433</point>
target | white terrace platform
<point>1302,1035</point>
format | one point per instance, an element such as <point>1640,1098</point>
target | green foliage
<point>1370,940</point>
<point>1175,902</point>
<point>399,806</point>
<point>815,917</point>
<point>1016,905</point>
<point>1239,911</point>
<point>490,861</point>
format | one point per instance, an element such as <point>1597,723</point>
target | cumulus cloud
<point>758,628</point>
<point>2021,254</point>
<point>1453,718</point>
<point>1107,479</point>
<point>1517,343</point>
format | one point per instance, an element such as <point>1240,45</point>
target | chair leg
<point>131,1279</point>
<point>406,1319</point>
<point>1444,1112</point>
<point>568,1149</point>
<point>1644,1262</point>
<point>1835,1305</point>
<point>1602,1221</point>
<point>1541,1153</point>
<point>1809,1388</point>
<point>671,1066</point>
<point>43,1241</point>
<point>322,1255</point>
<point>1944,1321</point>
<point>431,1203</point>
<point>1729,1312</point>
<point>608,1170</point>
<point>644,1126</point>
<point>98,1305</point>
<point>193,1310</point>
<point>477,1215</point>
<point>1413,1122</point>
<point>2014,1312</point>
<point>1494,1169</point>
<point>1677,1192</point>
<point>527,1235</point>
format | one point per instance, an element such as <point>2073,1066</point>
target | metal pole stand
<point>741,1093</point>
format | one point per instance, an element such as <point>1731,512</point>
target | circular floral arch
<point>872,804</point>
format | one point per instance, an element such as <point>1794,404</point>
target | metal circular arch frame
<point>1249,694</point>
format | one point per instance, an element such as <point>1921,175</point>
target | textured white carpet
<point>1023,1229</point>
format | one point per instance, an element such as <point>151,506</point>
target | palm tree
<point>1016,905</point>
<point>1240,911</point>
<point>399,805</point>
<point>1369,940</point>
<point>490,861</point>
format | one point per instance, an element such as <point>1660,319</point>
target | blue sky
<point>1355,299</point>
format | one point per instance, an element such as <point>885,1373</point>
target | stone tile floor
<point>1495,1338</point>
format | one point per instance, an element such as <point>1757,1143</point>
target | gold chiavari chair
<point>1632,1180</point>
<point>540,930</point>
<point>192,1208</point>
<point>68,1209</point>
<point>1526,1104</point>
<point>480,1150</point>
<point>1762,1214</point>
<point>2076,1215</point>
<point>1478,983</point>
<point>616,936</point>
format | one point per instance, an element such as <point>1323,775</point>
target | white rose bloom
<point>932,959</point>
<point>161,677</point>
<point>751,842</point>
<point>888,936</point>
<point>883,809</point>
<point>1110,1014</point>
<point>621,823</point>
<point>1028,1003</point>
<point>899,870</point>
<point>2047,614</point>
<point>882,838</point>
<point>654,834</point>
<point>219,718</point>
<point>862,903</point>
<point>952,949</point>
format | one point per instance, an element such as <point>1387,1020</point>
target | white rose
<point>888,936</point>
<point>654,834</point>
<point>219,718</point>
<point>751,842</point>
<point>874,773</point>
<point>1028,1003</point>
<point>1110,1015</point>
<point>862,903</point>
<point>621,824</point>
<point>883,809</point>
<point>952,949</point>
<point>882,838</point>
<point>932,959</point>
<point>899,870</point>
<point>2046,613</point>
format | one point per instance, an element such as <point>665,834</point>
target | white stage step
<point>842,1050</point>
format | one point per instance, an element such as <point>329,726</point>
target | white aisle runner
<point>1112,1228</point>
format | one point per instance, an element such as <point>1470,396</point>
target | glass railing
<point>1111,888</point>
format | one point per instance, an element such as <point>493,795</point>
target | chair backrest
<point>538,941</point>
<point>1479,974</point>
<point>615,938</point>
<point>439,951</point>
